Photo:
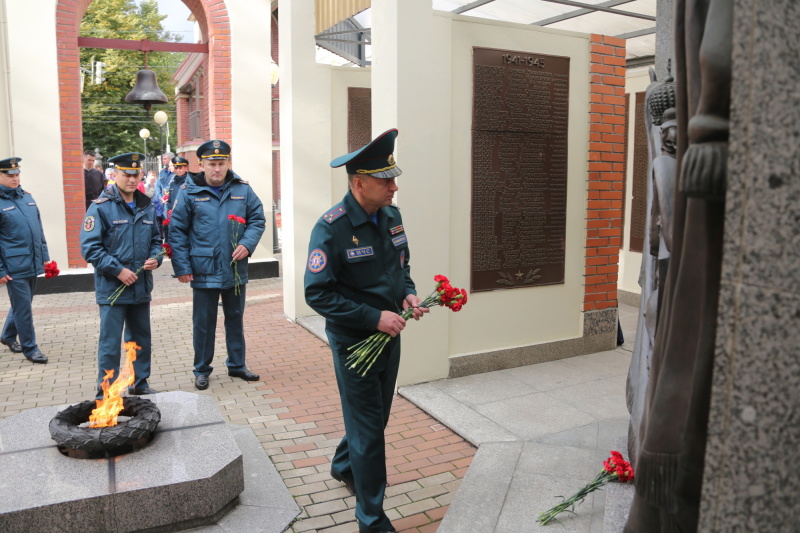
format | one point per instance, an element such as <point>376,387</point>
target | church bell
<point>146,91</point>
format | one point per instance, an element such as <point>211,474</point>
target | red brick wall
<point>606,172</point>
<point>215,24</point>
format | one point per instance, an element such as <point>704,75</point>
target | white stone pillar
<point>411,91</point>
<point>34,112</point>
<point>251,105</point>
<point>305,145</point>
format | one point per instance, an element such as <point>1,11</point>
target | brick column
<point>68,15</point>
<point>215,24</point>
<point>606,172</point>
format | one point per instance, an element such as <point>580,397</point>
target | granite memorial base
<point>191,474</point>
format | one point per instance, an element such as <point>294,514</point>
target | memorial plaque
<point>359,117</point>
<point>519,169</point>
<point>641,161</point>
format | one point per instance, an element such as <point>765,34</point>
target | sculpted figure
<point>659,97</point>
<point>670,463</point>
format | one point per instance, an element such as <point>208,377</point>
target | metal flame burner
<point>96,443</point>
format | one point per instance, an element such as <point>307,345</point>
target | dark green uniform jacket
<point>356,269</point>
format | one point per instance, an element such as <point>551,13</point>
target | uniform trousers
<point>135,319</point>
<point>19,321</point>
<point>204,319</point>
<point>366,403</point>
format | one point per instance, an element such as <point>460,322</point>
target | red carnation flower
<point>51,269</point>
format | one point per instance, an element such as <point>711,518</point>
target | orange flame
<point>105,414</point>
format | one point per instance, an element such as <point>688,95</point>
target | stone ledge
<point>629,298</point>
<point>478,363</point>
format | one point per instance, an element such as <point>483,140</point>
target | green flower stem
<point>364,353</point>
<point>119,290</point>
<point>600,481</point>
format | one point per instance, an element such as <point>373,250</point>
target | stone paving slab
<point>559,420</point>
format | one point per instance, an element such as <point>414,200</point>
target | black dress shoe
<point>347,480</point>
<point>245,374</point>
<point>14,346</point>
<point>201,382</point>
<point>141,392</point>
<point>37,357</point>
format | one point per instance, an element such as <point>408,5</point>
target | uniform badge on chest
<point>364,251</point>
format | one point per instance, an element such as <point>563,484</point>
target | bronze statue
<point>669,468</point>
<point>659,100</point>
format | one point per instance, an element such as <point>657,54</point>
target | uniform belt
<point>344,330</point>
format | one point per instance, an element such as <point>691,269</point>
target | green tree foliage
<point>109,123</point>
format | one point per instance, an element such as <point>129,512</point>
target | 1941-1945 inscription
<point>519,169</point>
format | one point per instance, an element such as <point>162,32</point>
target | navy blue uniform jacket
<point>114,237</point>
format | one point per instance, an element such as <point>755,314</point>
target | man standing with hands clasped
<point>23,253</point>
<point>202,233</point>
<point>358,277</point>
<point>120,235</point>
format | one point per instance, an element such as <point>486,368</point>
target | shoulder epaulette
<point>333,214</point>
<point>244,182</point>
<point>101,200</point>
<point>392,205</point>
<point>25,192</point>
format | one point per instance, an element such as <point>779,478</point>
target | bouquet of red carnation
<point>166,249</point>
<point>615,468</point>
<point>236,221</point>
<point>51,269</point>
<point>364,354</point>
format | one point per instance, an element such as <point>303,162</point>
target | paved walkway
<point>294,409</point>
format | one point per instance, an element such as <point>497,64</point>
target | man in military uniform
<point>120,235</point>
<point>181,173</point>
<point>202,234</point>
<point>357,277</point>
<point>181,166</point>
<point>23,253</point>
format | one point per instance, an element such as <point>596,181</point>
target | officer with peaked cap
<point>357,277</point>
<point>23,253</point>
<point>181,166</point>
<point>202,235</point>
<point>119,235</point>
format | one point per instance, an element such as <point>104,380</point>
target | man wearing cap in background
<point>357,277</point>
<point>119,235</point>
<point>162,186</point>
<point>181,166</point>
<point>23,253</point>
<point>202,236</point>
